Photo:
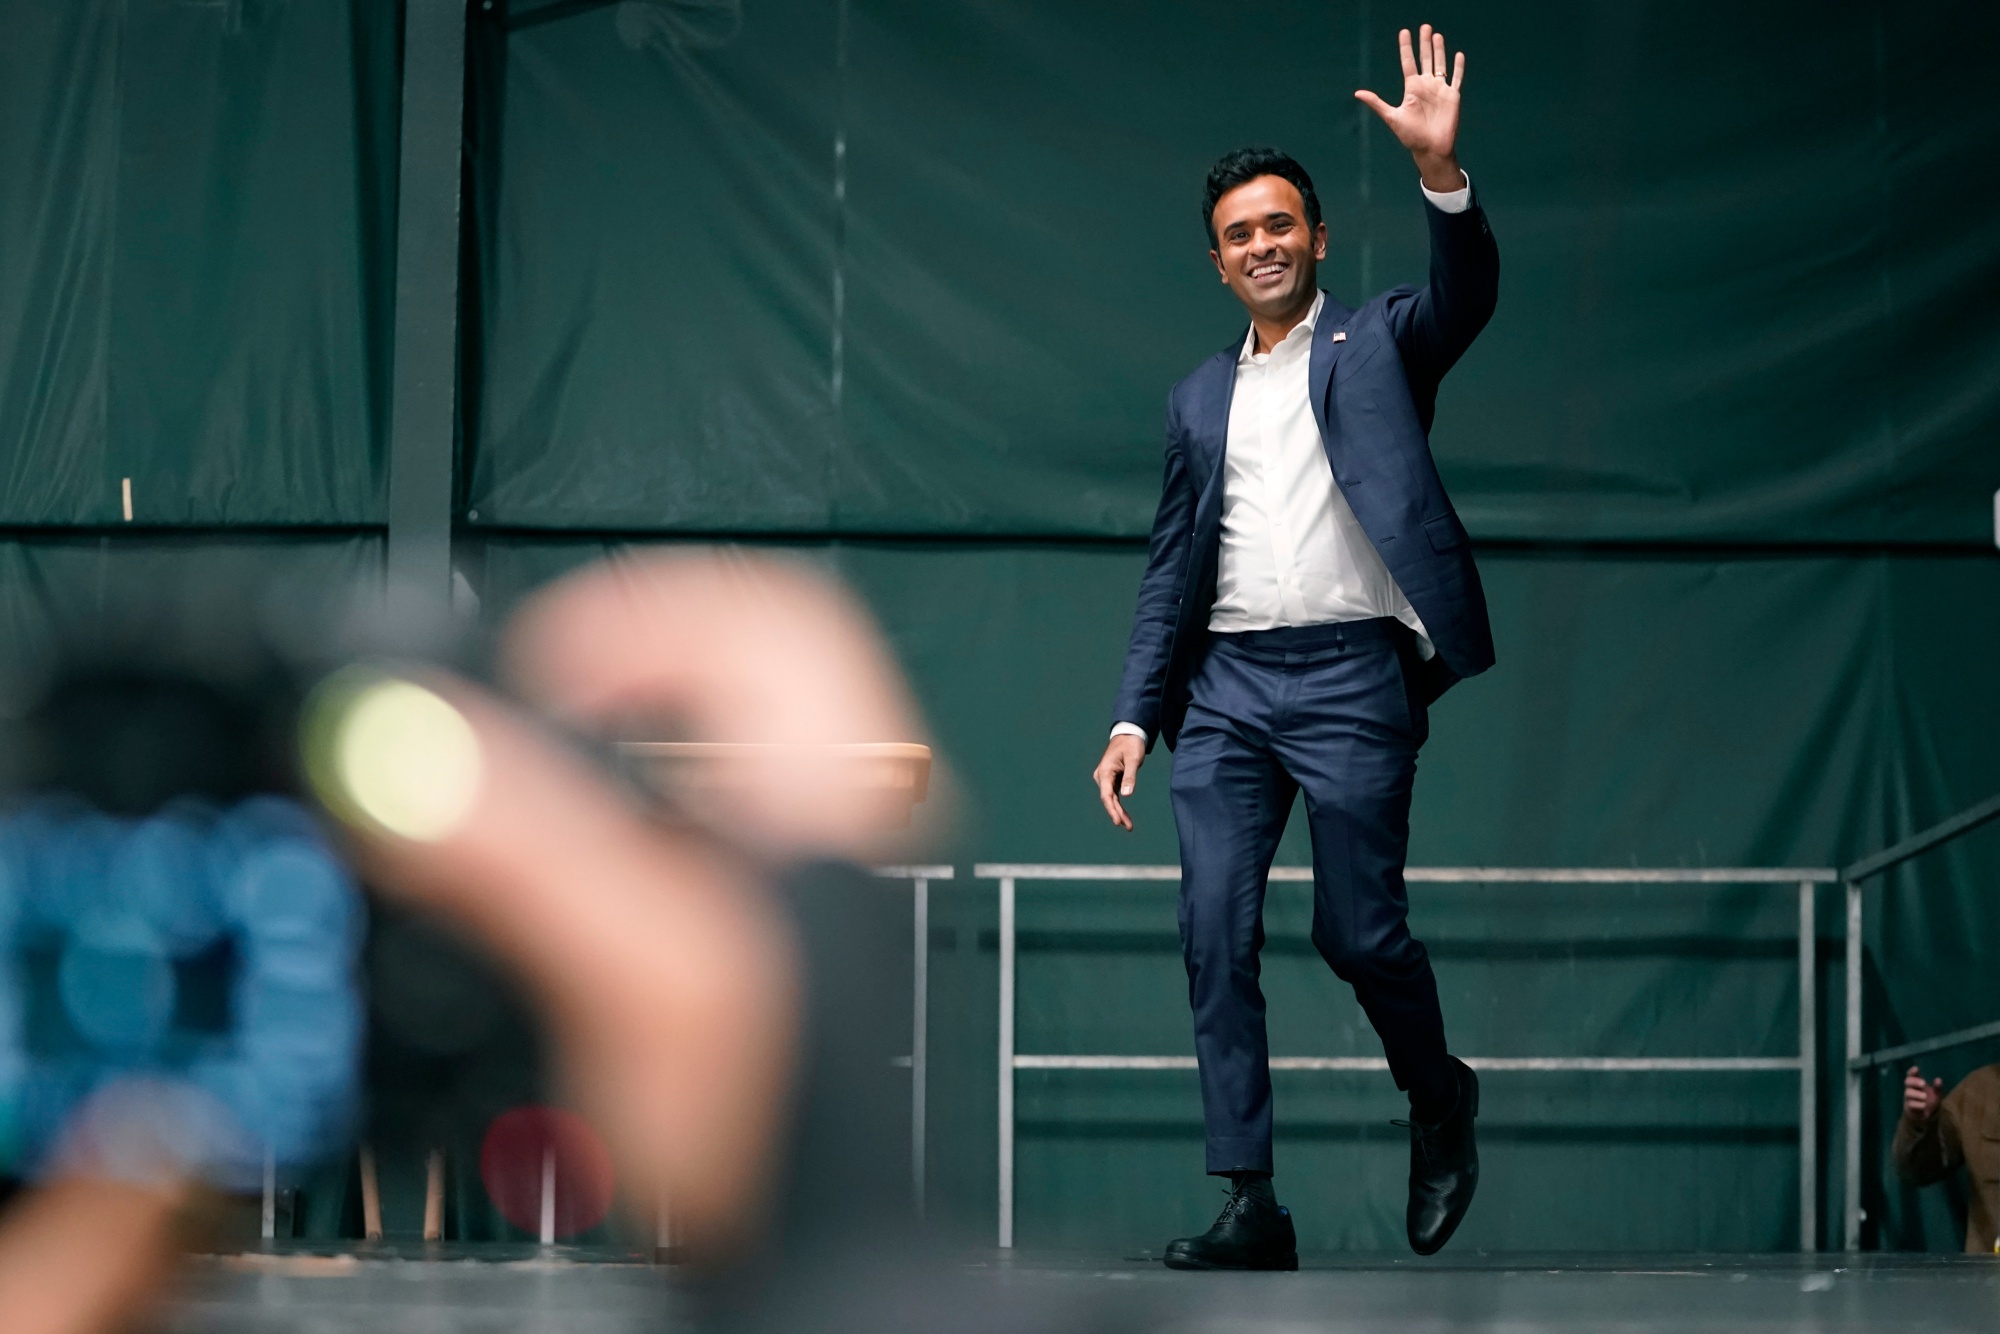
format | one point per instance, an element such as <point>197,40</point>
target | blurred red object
<point>544,1165</point>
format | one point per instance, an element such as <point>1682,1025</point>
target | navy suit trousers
<point>1328,710</point>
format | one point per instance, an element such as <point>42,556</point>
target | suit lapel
<point>1212,430</point>
<point>1333,319</point>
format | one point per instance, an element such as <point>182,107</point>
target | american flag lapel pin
<point>1340,335</point>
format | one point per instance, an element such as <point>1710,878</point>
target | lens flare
<point>393,754</point>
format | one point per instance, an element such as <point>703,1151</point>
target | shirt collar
<point>1308,324</point>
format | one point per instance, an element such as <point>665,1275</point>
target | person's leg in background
<point>1231,800</point>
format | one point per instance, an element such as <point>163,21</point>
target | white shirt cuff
<point>1451,201</point>
<point>1129,729</point>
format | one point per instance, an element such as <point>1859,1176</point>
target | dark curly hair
<point>1246,165</point>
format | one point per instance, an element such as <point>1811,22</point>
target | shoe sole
<point>1274,1264</point>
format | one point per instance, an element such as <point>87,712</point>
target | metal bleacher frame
<point>920,878</point>
<point>1806,881</point>
<point>1862,1065</point>
<point>1859,1065</point>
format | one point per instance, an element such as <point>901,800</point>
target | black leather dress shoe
<point>1444,1168</point>
<point>1254,1232</point>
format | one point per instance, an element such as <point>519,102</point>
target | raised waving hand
<point>1426,121</point>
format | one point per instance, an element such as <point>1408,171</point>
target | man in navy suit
<point>1309,593</point>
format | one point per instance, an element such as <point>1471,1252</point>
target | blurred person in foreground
<point>1941,1132</point>
<point>1310,593</point>
<point>717,994</point>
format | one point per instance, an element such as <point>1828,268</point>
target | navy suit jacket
<point>1373,394</point>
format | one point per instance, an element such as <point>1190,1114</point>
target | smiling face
<point>1265,251</point>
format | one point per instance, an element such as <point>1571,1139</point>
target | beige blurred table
<point>899,772</point>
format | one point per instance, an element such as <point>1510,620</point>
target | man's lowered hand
<point>1117,774</point>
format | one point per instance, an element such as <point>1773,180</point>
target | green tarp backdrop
<point>900,287</point>
<point>930,267</point>
<point>197,224</point>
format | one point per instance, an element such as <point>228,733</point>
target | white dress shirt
<point>1292,551</point>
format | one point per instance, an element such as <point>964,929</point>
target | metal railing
<point>918,1061</point>
<point>1860,1064</point>
<point>1806,879</point>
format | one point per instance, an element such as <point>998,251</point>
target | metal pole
<point>1007,1063</point>
<point>424,388</point>
<point>1942,1042</point>
<point>920,1004</point>
<point>434,1195</point>
<point>1851,1150</point>
<point>1943,832</point>
<point>548,1219</point>
<point>1808,1071</point>
<point>371,1193</point>
<point>269,1228</point>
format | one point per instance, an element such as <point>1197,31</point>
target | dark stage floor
<point>524,1290</point>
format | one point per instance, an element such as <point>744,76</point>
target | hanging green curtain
<point>197,214</point>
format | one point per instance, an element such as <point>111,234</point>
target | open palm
<point>1427,121</point>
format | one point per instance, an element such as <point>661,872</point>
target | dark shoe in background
<point>1253,1232</point>
<point>1444,1168</point>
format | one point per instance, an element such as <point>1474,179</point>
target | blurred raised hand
<point>663,970</point>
